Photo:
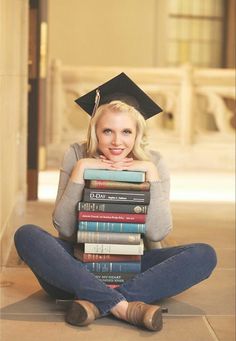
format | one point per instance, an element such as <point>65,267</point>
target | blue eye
<point>107,131</point>
<point>127,132</point>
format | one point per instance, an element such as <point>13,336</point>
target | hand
<point>145,166</point>
<point>136,165</point>
<point>118,165</point>
<point>78,171</point>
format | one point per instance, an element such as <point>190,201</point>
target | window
<point>195,32</point>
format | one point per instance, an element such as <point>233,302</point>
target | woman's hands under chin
<point>77,174</point>
<point>117,165</point>
<point>102,162</point>
<point>135,165</point>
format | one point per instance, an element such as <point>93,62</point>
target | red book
<point>108,184</point>
<point>113,286</point>
<point>112,217</point>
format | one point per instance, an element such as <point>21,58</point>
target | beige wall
<point>107,33</point>
<point>13,104</point>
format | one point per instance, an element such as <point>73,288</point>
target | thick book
<point>101,226</point>
<point>116,196</point>
<point>108,237</point>
<point>114,267</point>
<point>107,207</point>
<point>108,184</point>
<point>115,175</point>
<point>112,217</point>
<point>117,249</point>
<point>95,257</point>
<point>114,278</point>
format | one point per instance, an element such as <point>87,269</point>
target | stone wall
<point>108,33</point>
<point>13,115</point>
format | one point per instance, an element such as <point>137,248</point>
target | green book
<point>114,175</point>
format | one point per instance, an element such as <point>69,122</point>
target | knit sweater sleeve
<point>69,194</point>
<point>159,220</point>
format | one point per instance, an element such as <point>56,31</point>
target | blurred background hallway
<point>182,53</point>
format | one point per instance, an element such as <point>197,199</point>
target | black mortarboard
<point>121,88</point>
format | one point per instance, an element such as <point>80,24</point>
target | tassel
<point>97,101</point>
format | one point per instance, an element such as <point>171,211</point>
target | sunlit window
<point>195,32</point>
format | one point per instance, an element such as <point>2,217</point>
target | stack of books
<point>111,223</point>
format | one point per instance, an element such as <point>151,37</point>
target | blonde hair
<point>140,143</point>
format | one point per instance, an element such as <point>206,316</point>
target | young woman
<point>116,140</point>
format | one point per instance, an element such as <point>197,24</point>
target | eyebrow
<point>108,128</point>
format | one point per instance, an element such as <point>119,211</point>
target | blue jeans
<point>165,272</point>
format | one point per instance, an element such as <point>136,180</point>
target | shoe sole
<point>77,315</point>
<point>153,319</point>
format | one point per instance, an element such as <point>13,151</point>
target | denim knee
<point>24,233</point>
<point>207,256</point>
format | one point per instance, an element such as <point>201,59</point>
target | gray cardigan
<point>158,222</point>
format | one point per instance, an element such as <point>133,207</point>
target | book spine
<point>106,207</point>
<point>114,278</point>
<point>93,257</point>
<point>116,196</point>
<point>120,249</point>
<point>101,226</point>
<point>114,267</point>
<point>113,286</point>
<point>108,184</point>
<point>112,217</point>
<point>126,176</point>
<point>108,238</point>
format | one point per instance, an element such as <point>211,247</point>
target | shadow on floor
<point>40,304</point>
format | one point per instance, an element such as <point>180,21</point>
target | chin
<point>117,158</point>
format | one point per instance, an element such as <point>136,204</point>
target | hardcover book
<point>107,207</point>
<point>114,267</point>
<point>120,249</point>
<point>114,278</point>
<point>101,226</point>
<point>115,175</point>
<point>108,238</point>
<point>116,196</point>
<point>112,217</point>
<point>95,257</point>
<point>113,286</point>
<point>108,184</point>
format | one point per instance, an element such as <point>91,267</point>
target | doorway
<point>37,72</point>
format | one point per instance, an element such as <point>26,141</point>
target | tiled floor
<point>202,313</point>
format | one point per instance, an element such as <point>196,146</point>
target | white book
<point>108,237</point>
<point>116,249</point>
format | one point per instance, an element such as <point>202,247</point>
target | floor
<point>205,312</point>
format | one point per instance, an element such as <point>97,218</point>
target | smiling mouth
<point>116,151</point>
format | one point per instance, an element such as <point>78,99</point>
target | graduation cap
<point>120,88</point>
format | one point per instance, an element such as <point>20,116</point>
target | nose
<point>116,139</point>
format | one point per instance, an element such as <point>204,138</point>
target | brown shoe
<point>145,315</point>
<point>82,313</point>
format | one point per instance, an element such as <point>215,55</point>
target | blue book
<point>100,226</point>
<point>114,267</point>
<point>114,277</point>
<point>114,175</point>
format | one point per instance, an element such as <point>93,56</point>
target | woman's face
<point>116,133</point>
